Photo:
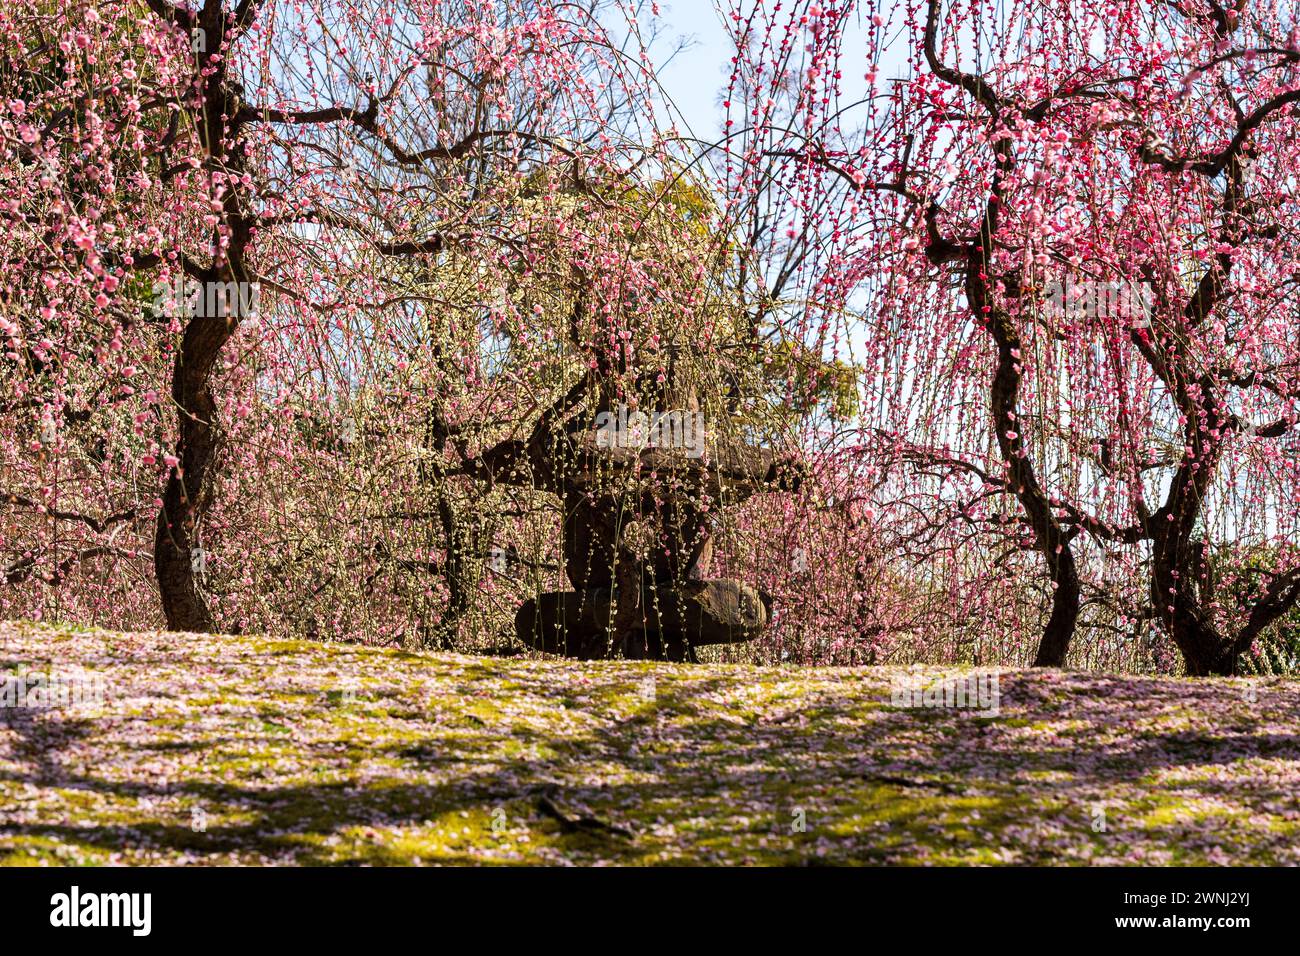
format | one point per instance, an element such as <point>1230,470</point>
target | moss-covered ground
<point>224,750</point>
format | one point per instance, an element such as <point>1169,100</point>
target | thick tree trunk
<point>1178,563</point>
<point>187,485</point>
<point>218,124</point>
<point>1180,572</point>
<point>1065,611</point>
<point>1052,540</point>
<point>1206,651</point>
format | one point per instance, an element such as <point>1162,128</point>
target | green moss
<point>291,751</point>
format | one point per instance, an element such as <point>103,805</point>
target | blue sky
<point>695,76</point>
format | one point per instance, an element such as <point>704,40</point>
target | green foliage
<point>813,380</point>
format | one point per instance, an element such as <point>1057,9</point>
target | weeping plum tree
<point>1177,143</point>
<point>248,148</point>
<point>1089,259</point>
<point>806,155</point>
<point>101,184</point>
<point>572,268</point>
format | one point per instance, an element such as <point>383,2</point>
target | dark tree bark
<point>218,119</point>
<point>188,485</point>
<point>1052,539</point>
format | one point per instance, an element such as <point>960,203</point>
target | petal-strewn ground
<point>246,750</point>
